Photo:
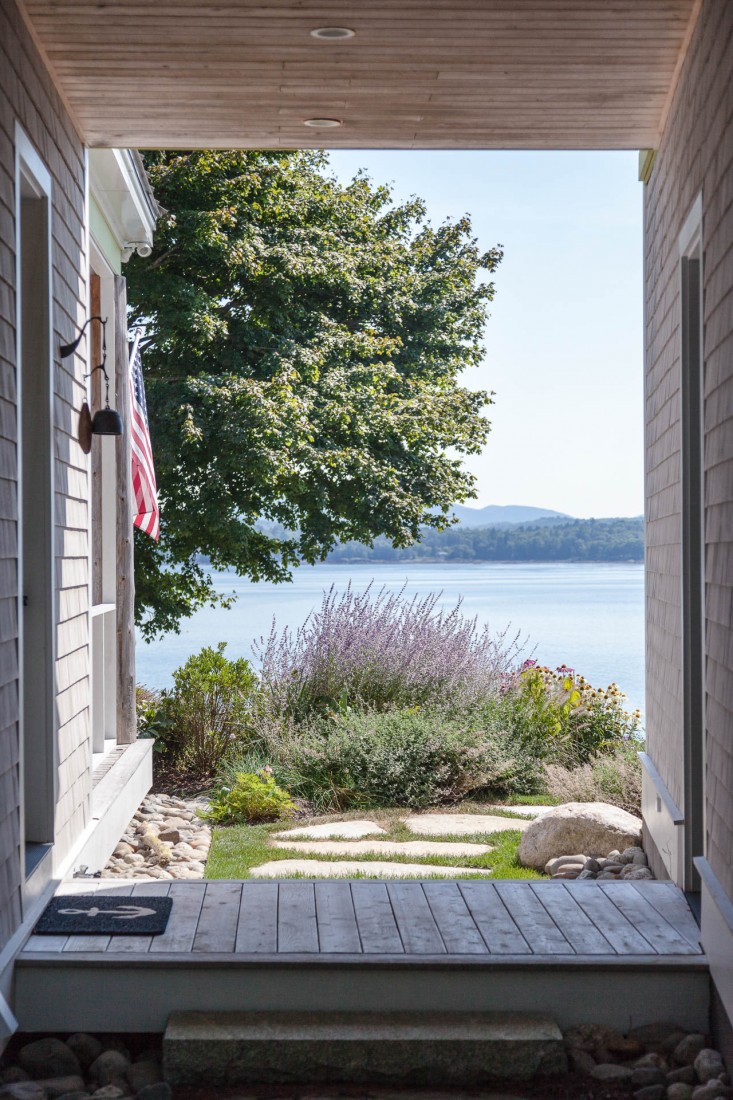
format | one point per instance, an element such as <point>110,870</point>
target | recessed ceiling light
<point>332,33</point>
<point>322,123</point>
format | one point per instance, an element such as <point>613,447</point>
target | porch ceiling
<point>417,73</point>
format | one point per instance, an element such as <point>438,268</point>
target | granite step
<point>463,1049</point>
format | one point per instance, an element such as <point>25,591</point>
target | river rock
<point>141,1074</point>
<point>651,1092</point>
<point>48,1058</point>
<point>678,1090</point>
<point>22,1090</point>
<point>58,1086</point>
<point>85,1047</point>
<point>109,1065</point>
<point>591,827</point>
<point>687,1050</point>
<point>159,1091</point>
<point>708,1065</point>
<point>608,1071</point>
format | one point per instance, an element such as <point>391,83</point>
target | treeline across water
<point>571,540</point>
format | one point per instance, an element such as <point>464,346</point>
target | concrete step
<point>412,1048</point>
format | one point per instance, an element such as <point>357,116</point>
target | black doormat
<point>104,915</point>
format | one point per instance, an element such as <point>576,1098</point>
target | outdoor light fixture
<point>322,123</point>
<point>105,421</point>
<point>332,34</point>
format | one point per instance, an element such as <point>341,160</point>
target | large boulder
<point>591,827</point>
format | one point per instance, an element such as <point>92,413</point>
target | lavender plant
<point>383,650</point>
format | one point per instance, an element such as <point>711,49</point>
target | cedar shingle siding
<point>28,96</point>
<point>696,154</point>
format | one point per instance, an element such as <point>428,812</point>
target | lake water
<point>588,616</point>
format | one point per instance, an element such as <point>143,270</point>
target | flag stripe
<point>144,487</point>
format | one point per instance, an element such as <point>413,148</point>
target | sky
<point>564,350</point>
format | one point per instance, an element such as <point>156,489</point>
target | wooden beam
<point>126,714</point>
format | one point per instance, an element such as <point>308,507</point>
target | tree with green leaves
<point>303,349</point>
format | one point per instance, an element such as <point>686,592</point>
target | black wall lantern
<point>105,421</point>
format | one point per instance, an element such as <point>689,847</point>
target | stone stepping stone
<point>525,811</point>
<point>355,829</point>
<point>445,824</point>
<point>347,868</point>
<point>384,847</point>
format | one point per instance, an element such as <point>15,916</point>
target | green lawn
<point>237,848</point>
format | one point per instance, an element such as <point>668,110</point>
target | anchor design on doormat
<point>125,912</point>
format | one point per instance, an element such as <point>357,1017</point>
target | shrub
<point>380,652</point>
<point>401,758</point>
<point>252,799</point>
<point>562,718</point>
<point>208,710</point>
<point>613,777</point>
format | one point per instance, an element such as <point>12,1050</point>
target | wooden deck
<point>345,944</point>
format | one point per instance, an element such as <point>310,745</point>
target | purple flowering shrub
<point>362,649</point>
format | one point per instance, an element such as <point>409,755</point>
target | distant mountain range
<point>500,515</point>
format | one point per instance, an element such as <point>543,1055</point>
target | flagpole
<point>125,601</point>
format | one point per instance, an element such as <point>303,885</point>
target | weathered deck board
<point>188,898</point>
<point>619,931</point>
<point>257,930</point>
<point>471,920</point>
<point>637,910</point>
<point>375,919</point>
<point>670,902</point>
<point>217,927</point>
<point>338,931</point>
<point>297,927</point>
<point>533,920</point>
<point>454,920</point>
<point>577,928</point>
<point>493,919</point>
<point>418,930</point>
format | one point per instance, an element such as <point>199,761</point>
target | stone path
<point>350,868</point>
<point>181,839</point>
<point>353,829</point>
<point>384,847</point>
<point>447,824</point>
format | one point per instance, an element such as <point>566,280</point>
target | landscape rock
<point>651,1092</point>
<point>12,1075</point>
<point>141,1074</point>
<point>625,1047</point>
<point>686,1075</point>
<point>687,1050</point>
<point>591,827</point>
<point>713,1090</point>
<point>559,861</point>
<point>22,1090</point>
<point>159,1091</point>
<point>637,873</point>
<point>658,1035</point>
<point>644,1076</point>
<point>57,1086</point>
<point>109,1064</point>
<point>652,1060</point>
<point>85,1047</point>
<point>581,1061</point>
<point>708,1065</point>
<point>109,1092</point>
<point>678,1090</point>
<point>608,1071</point>
<point>48,1058</point>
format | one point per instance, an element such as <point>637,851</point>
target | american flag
<point>147,516</point>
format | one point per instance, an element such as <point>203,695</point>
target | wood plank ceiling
<point>416,74</point>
